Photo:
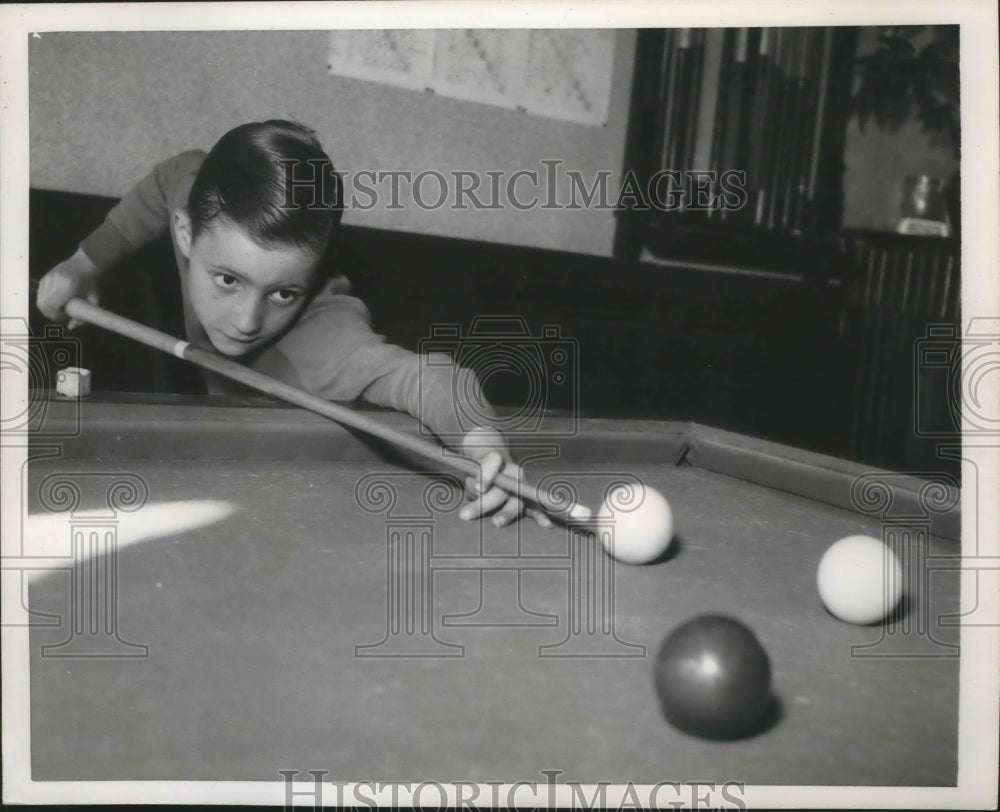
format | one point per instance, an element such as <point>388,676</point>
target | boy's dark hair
<point>273,180</point>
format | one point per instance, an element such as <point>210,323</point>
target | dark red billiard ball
<point>713,678</point>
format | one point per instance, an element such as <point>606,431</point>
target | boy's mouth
<point>228,344</point>
<point>242,340</point>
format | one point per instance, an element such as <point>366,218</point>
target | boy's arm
<point>334,353</point>
<point>141,216</point>
<point>144,212</point>
<point>444,396</point>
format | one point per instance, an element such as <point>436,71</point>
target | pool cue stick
<point>84,311</point>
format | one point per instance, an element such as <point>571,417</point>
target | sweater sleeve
<point>333,352</point>
<point>143,214</point>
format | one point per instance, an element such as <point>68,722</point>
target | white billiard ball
<point>643,524</point>
<point>860,580</point>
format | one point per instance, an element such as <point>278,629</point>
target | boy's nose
<point>248,315</point>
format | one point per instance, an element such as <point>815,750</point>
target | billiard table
<point>342,617</point>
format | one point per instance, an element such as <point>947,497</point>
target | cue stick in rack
<point>84,311</point>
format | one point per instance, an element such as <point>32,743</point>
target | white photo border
<point>979,704</point>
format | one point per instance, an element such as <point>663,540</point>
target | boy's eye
<point>284,297</point>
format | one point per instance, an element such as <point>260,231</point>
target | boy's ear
<point>182,231</point>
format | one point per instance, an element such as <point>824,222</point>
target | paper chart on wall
<point>563,74</point>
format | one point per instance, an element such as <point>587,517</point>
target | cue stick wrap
<point>84,311</point>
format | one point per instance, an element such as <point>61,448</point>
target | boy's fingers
<point>53,313</point>
<point>511,510</point>
<point>479,440</point>
<point>42,299</point>
<point>60,285</point>
<point>51,303</point>
<point>91,297</point>
<point>512,469</point>
<point>508,507</point>
<point>540,516</point>
<point>496,464</point>
<point>489,467</point>
<point>486,503</point>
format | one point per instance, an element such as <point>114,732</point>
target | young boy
<point>252,225</point>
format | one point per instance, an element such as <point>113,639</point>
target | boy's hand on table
<point>488,448</point>
<point>74,277</point>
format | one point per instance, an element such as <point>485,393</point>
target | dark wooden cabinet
<point>902,320</point>
<point>735,145</point>
<point>771,107</point>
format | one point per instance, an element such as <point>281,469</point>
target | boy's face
<point>243,294</point>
